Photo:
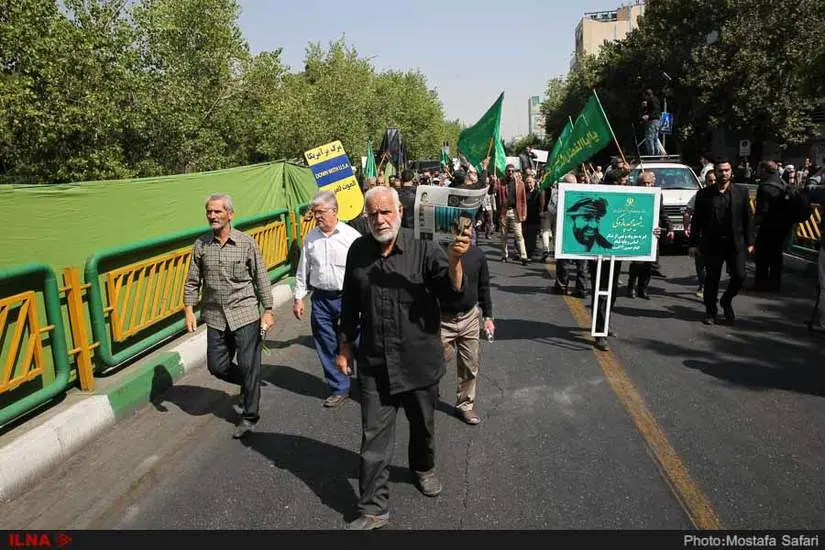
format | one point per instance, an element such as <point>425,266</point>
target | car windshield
<point>675,177</point>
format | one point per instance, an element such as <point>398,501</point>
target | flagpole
<point>619,147</point>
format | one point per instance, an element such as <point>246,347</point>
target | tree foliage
<point>745,66</point>
<point>99,89</point>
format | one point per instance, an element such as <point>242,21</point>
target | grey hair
<point>383,190</point>
<point>325,198</point>
<point>227,201</point>
<point>569,177</point>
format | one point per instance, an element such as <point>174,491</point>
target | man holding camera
<point>460,323</point>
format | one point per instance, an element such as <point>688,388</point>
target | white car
<point>678,183</point>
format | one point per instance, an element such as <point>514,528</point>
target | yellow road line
<point>687,492</point>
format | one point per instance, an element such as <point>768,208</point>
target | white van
<point>678,184</point>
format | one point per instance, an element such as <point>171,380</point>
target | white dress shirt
<point>324,260</point>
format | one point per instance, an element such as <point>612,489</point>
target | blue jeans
<point>326,317</point>
<point>652,136</point>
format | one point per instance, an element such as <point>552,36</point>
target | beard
<point>387,235</point>
<point>585,240</point>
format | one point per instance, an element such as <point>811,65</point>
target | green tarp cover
<point>64,224</point>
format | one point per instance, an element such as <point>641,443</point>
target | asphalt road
<point>679,426</point>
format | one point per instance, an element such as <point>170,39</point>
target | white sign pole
<point>605,294</point>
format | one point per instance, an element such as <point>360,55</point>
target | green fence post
<point>60,353</point>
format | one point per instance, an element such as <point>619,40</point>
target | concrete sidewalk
<point>38,443</point>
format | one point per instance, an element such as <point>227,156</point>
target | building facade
<point>598,27</point>
<point>535,120</point>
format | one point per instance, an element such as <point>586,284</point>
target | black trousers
<point>735,262</point>
<point>222,346</point>
<point>640,273</point>
<point>531,236</point>
<point>563,268</point>
<point>378,413</point>
<point>601,310</point>
<point>768,258</point>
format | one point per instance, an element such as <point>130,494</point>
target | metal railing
<point>133,304</point>
<point>22,336</point>
<point>144,296</point>
<point>307,220</point>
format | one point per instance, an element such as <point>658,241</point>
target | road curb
<point>30,456</point>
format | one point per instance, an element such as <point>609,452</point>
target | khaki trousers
<point>510,222</point>
<point>460,332</point>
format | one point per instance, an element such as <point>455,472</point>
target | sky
<point>469,50</point>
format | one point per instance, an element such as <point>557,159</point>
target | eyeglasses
<point>321,211</point>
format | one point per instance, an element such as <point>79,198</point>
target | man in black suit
<point>772,228</point>
<point>721,230</point>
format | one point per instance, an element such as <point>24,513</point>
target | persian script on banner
<point>332,170</point>
<point>607,220</point>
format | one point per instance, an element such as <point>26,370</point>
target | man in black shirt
<point>772,228</point>
<point>460,329</point>
<point>406,194</point>
<point>392,289</point>
<point>720,230</point>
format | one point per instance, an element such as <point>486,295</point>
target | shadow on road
<point>305,340</point>
<point>295,381</point>
<point>769,348</point>
<point>324,468</point>
<point>193,400</point>
<point>520,329</point>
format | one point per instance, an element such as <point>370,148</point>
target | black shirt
<point>533,206</point>
<point>477,291</point>
<point>511,193</point>
<point>722,226</point>
<point>395,301</point>
<point>360,224</point>
<point>406,194</point>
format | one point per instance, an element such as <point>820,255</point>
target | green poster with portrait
<point>607,220</point>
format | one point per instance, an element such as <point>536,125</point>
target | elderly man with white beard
<point>392,288</point>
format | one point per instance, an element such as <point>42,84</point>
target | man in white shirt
<point>321,270</point>
<point>707,166</point>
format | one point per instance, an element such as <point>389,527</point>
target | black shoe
<point>643,295</point>
<point>601,343</point>
<point>367,522</point>
<point>504,259</point>
<point>727,308</point>
<point>657,272</point>
<point>709,320</point>
<point>556,289</point>
<point>579,293</point>
<point>524,261</point>
<point>244,428</point>
<point>631,292</point>
<point>428,483</point>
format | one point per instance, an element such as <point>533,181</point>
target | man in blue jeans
<point>651,117</point>
<point>321,269</point>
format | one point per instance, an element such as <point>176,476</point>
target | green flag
<point>590,134</point>
<point>484,138</point>
<point>369,167</point>
<point>560,144</point>
<point>445,159</point>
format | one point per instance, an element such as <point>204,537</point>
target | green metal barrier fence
<point>21,334</point>
<point>144,296</point>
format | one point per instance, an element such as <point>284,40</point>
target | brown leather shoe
<point>469,416</point>
<point>335,400</point>
<point>367,522</point>
<point>428,483</point>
